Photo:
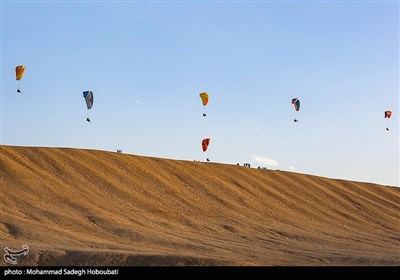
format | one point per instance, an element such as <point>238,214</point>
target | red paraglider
<point>388,114</point>
<point>205,143</point>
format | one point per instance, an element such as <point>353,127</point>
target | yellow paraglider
<point>204,99</point>
<point>19,73</point>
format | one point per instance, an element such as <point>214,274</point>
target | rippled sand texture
<point>89,207</point>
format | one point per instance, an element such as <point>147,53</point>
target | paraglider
<point>205,143</point>
<point>388,114</point>
<point>19,73</point>
<point>88,95</point>
<point>204,100</point>
<point>296,104</point>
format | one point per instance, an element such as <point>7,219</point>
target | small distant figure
<point>387,128</point>
<point>19,91</point>
<point>88,119</point>
<point>204,114</point>
<point>295,120</point>
<point>208,159</point>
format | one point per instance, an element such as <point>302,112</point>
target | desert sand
<point>76,207</point>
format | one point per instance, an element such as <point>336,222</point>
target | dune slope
<point>89,207</point>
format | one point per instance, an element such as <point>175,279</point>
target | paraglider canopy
<point>205,143</point>
<point>88,95</point>
<point>19,72</point>
<point>204,98</point>
<point>388,114</point>
<point>296,103</point>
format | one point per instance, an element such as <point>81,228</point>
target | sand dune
<point>89,207</point>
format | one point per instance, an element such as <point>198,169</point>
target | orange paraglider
<point>19,73</point>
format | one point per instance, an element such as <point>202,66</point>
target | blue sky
<point>147,62</point>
